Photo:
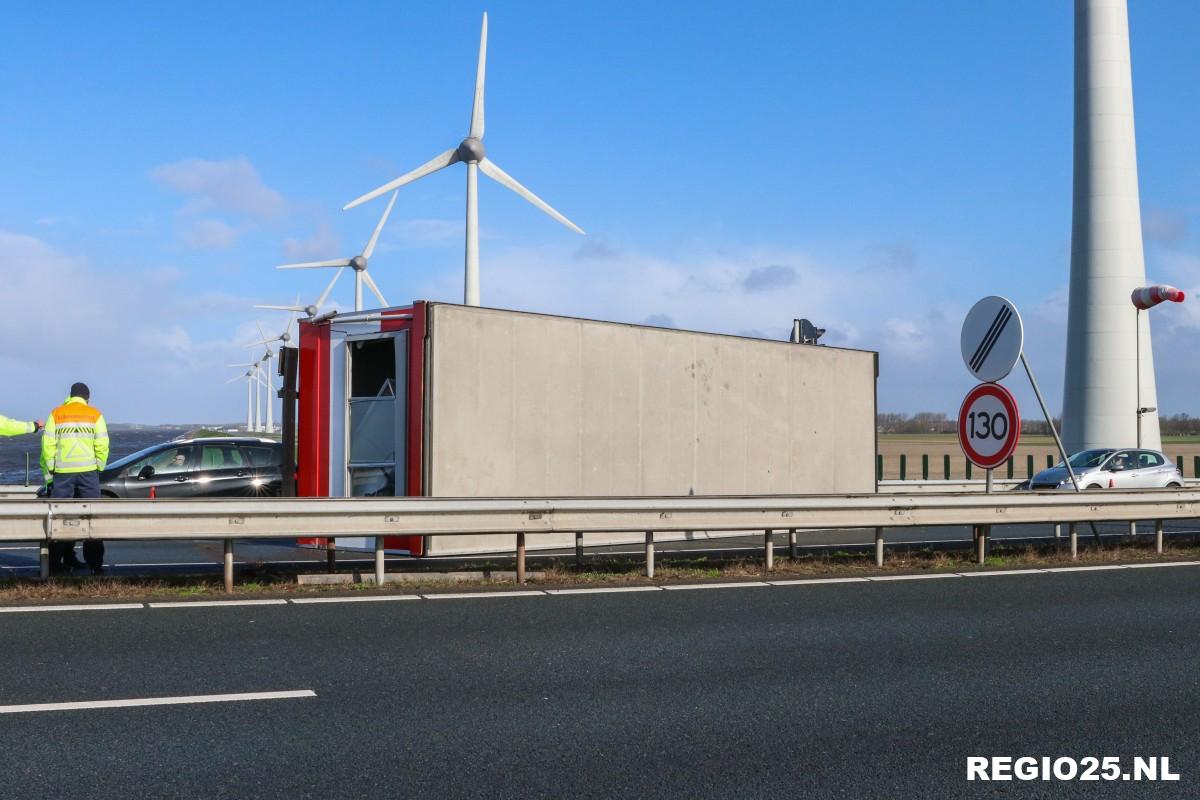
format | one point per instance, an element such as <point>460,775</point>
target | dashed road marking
<point>211,603</point>
<point>87,705</point>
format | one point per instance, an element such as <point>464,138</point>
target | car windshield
<point>1088,458</point>
<point>129,459</point>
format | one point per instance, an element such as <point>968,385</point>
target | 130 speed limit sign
<point>989,425</point>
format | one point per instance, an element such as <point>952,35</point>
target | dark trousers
<point>84,485</point>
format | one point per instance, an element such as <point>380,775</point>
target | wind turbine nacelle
<point>471,149</point>
<point>311,310</point>
<point>359,263</point>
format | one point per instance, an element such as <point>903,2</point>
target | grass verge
<point>558,573</point>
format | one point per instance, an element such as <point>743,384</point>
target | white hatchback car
<point>1110,468</point>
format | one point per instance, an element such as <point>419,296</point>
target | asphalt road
<point>879,689</point>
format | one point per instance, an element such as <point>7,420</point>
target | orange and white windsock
<point>1149,296</point>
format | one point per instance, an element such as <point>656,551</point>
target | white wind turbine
<point>251,381</point>
<point>358,263</point>
<point>471,152</point>
<point>266,377</point>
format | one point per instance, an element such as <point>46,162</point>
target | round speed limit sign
<point>989,425</point>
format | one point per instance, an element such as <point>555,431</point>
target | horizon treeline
<point>937,422</point>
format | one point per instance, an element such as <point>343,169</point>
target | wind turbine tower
<point>1100,397</point>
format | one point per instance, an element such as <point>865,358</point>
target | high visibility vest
<point>75,439</point>
<point>14,427</point>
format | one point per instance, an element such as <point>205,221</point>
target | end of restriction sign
<point>989,425</point>
<point>991,339</point>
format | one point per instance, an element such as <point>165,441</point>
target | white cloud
<point>208,234</point>
<point>131,338</point>
<point>232,185</point>
<point>321,245</point>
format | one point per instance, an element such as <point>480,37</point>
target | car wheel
<point>1174,485</point>
<point>109,495</point>
<point>1093,486</point>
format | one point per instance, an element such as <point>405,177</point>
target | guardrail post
<point>379,561</point>
<point>879,467</point>
<point>968,469</point>
<point>879,547</point>
<point>981,543</point>
<point>578,549</point>
<point>1132,529</point>
<point>1074,541</point>
<point>1158,536</point>
<point>924,466</point>
<point>768,550</point>
<point>903,466</point>
<point>1008,466</point>
<point>1049,461</point>
<point>331,554</point>
<point>228,566</point>
<point>792,543</point>
<point>649,554</point>
<point>946,466</point>
<point>521,557</point>
<point>44,544</point>
<point>1179,464</point>
<point>1196,466</point>
<point>1029,465</point>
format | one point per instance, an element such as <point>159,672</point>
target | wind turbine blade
<point>493,171</point>
<point>261,332</point>
<point>283,308</point>
<point>325,294</point>
<point>378,228</point>
<point>432,165</point>
<point>371,283</point>
<point>240,366</point>
<point>336,262</point>
<point>236,378</point>
<point>480,68</point>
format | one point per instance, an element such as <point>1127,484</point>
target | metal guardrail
<point>226,520</point>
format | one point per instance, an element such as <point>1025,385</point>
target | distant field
<point>937,446</point>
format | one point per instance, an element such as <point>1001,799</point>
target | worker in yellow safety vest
<point>15,427</point>
<point>74,451</point>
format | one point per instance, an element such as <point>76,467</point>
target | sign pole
<point>1054,431</point>
<point>987,489</point>
<point>1138,340</point>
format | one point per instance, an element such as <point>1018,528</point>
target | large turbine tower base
<point>471,260</point>
<point>1101,393</point>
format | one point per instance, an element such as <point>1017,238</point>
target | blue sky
<point>875,167</point>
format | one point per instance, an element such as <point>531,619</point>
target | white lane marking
<point>472,595</point>
<point>680,587</point>
<point>156,701</point>
<point>915,577</point>
<point>380,598</point>
<point>88,607</point>
<point>987,573</point>
<point>815,581</point>
<point>601,590</point>
<point>211,603</point>
<point>595,590</point>
<point>1087,569</point>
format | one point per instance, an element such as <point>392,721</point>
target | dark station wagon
<point>202,467</point>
